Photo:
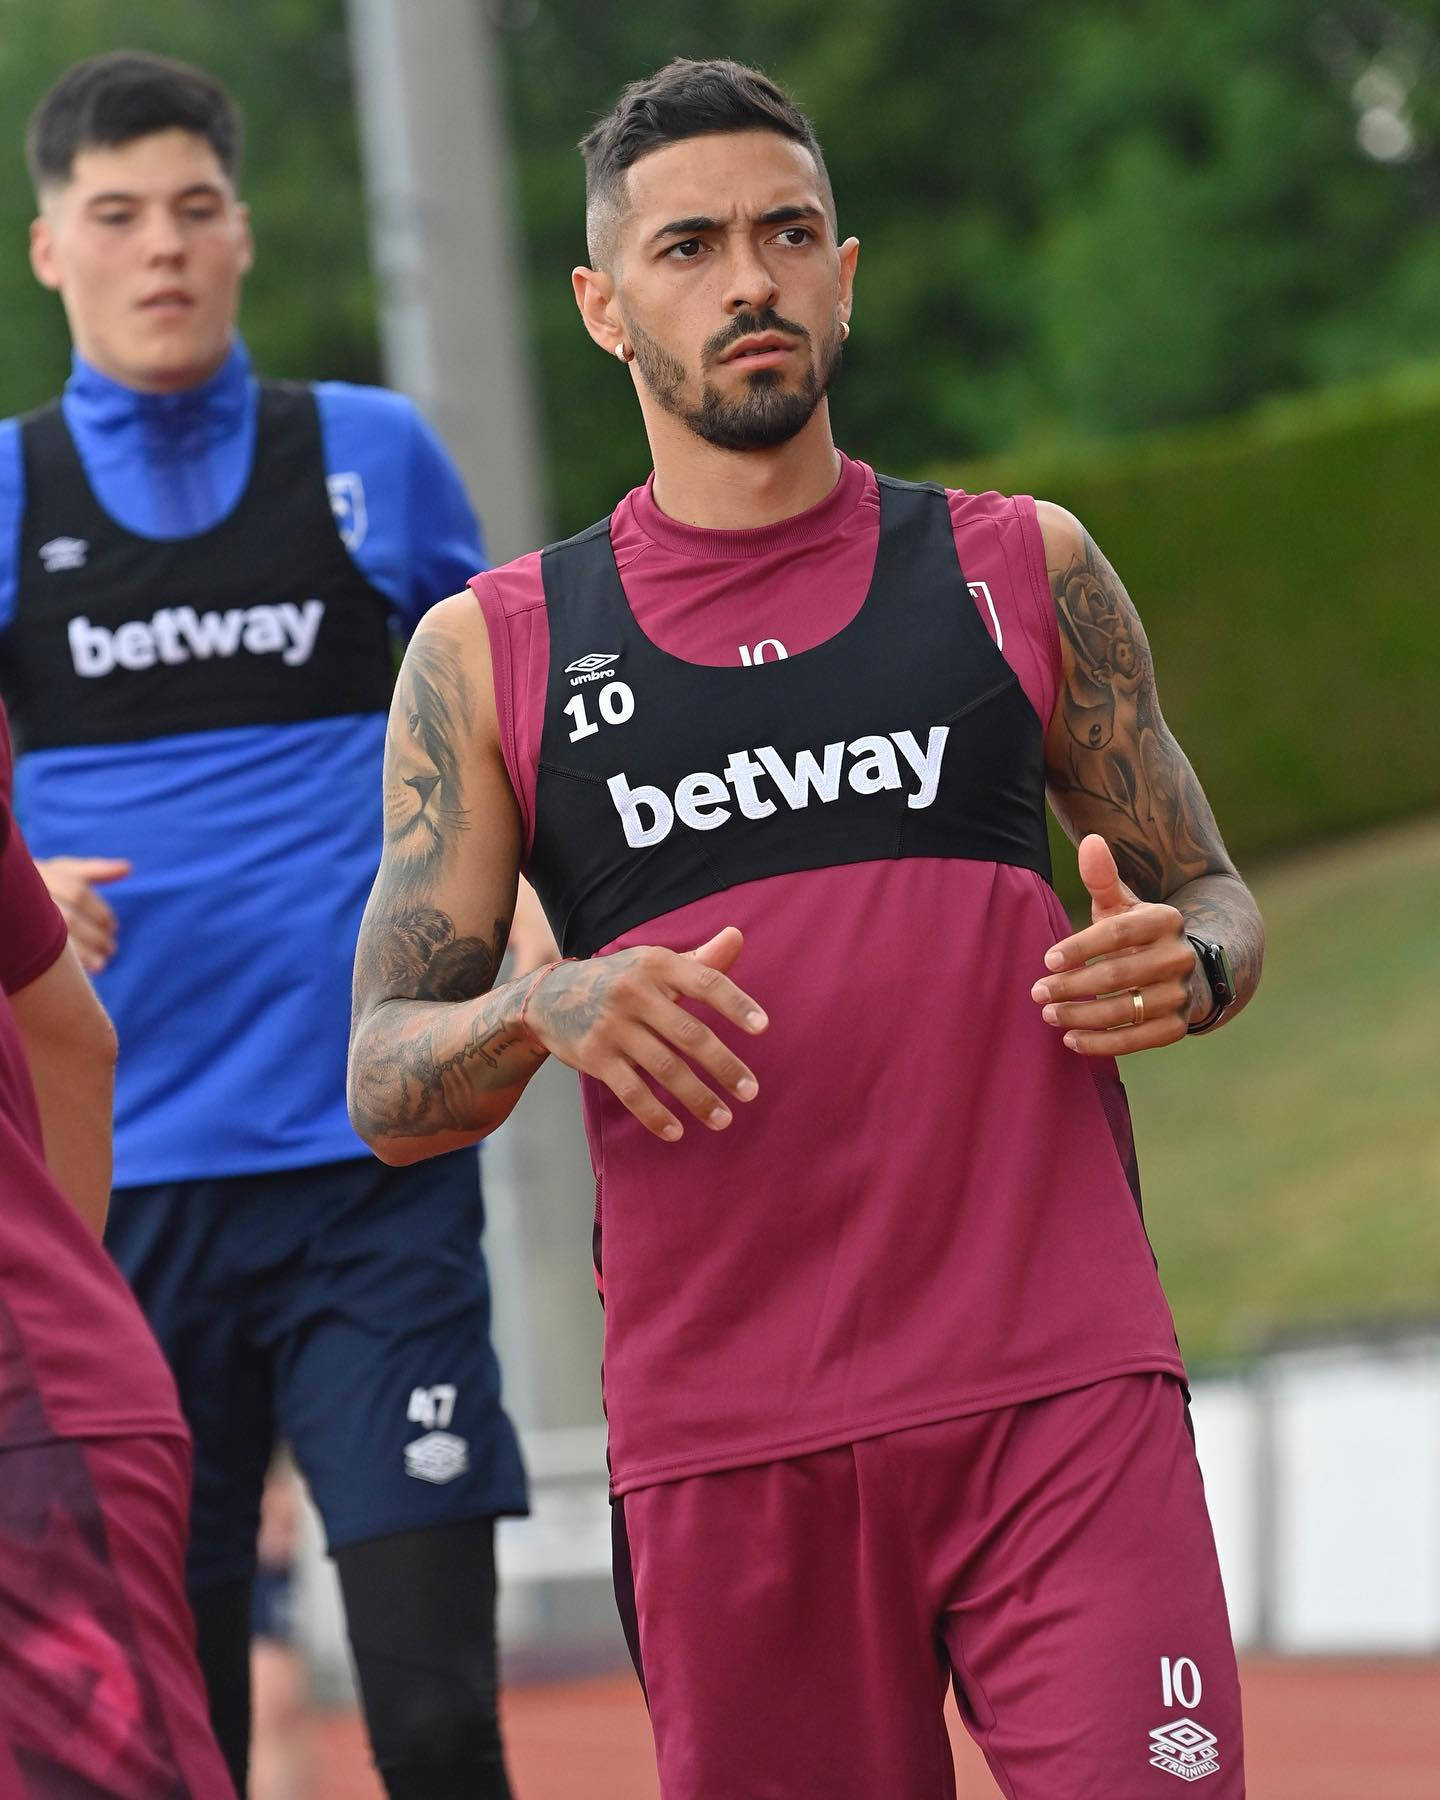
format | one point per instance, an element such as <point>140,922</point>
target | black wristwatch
<point>1216,966</point>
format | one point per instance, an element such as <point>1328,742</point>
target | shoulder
<point>1016,520</point>
<point>987,508</point>
<point>380,422</point>
<point>385,438</point>
<point>1066,539</point>
<point>384,434</point>
<point>368,424</point>
<point>514,588</point>
<point>1060,532</point>
<point>1083,584</point>
<point>449,653</point>
<point>368,436</point>
<point>454,621</point>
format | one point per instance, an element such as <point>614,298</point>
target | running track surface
<point>1315,1730</point>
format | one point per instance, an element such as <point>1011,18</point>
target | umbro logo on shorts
<point>705,801</point>
<point>439,1456</point>
<point>592,667</point>
<point>1185,1749</point>
<point>1182,1748</point>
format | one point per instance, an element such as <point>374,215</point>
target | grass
<point>1291,1162</point>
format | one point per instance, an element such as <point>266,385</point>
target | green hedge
<point>1287,577</point>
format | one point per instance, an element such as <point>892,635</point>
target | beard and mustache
<point>766,414</point>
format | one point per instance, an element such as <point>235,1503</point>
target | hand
<point>1130,947</point>
<point>531,942</point>
<point>619,1018</point>
<point>72,881</point>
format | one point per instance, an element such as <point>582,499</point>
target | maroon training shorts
<point>100,1692</point>
<point>798,1622</point>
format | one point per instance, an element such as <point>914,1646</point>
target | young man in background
<point>201,574</point>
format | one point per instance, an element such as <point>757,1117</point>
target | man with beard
<point>893,1392</point>
<point>200,580</point>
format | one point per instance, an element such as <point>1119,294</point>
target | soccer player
<point>894,1395</point>
<point>100,1691</point>
<point>200,574</point>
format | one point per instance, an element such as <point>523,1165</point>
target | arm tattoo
<point>1117,770</point>
<point>409,1087</point>
<point>575,997</point>
<point>423,814</point>
<point>1118,767</point>
<point>418,1074</point>
<point>416,953</point>
<point>429,1040</point>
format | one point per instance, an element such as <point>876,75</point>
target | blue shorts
<point>345,1308</point>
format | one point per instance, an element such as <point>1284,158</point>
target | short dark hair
<point>112,99</point>
<point>685,99</point>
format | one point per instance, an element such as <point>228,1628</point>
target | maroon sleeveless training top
<point>931,1208</point>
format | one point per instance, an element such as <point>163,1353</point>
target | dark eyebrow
<point>118,196</point>
<point>789,215</point>
<point>777,215</point>
<point>684,228</point>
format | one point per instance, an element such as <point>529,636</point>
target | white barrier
<point>1322,1468</point>
<point>1226,1415</point>
<point>567,1536</point>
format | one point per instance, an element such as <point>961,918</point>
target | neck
<point>166,382</point>
<point>732,490</point>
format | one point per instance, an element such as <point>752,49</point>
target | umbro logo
<point>64,553</point>
<point>591,667</point>
<point>437,1457</point>
<point>1185,1749</point>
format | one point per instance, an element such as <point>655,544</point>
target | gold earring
<point>844,330</point>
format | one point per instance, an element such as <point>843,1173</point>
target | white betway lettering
<point>178,634</point>
<point>925,763</point>
<point>704,801</point>
<point>795,784</point>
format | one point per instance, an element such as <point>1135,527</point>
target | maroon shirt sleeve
<point>32,931</point>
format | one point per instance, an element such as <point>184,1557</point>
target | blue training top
<point>254,847</point>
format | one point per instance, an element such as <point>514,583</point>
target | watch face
<point>1218,972</point>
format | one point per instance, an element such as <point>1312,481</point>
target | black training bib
<point>661,781</point>
<point>261,620</point>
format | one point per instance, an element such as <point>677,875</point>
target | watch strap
<point>1215,966</point>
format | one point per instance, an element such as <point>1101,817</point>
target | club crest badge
<point>347,502</point>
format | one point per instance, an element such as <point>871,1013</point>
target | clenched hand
<point>1131,948</point>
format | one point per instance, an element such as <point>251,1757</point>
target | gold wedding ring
<point>1137,1002</point>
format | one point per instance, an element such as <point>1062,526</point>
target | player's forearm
<point>1222,908</point>
<point>75,1121</point>
<point>70,1050</point>
<point>428,1076</point>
